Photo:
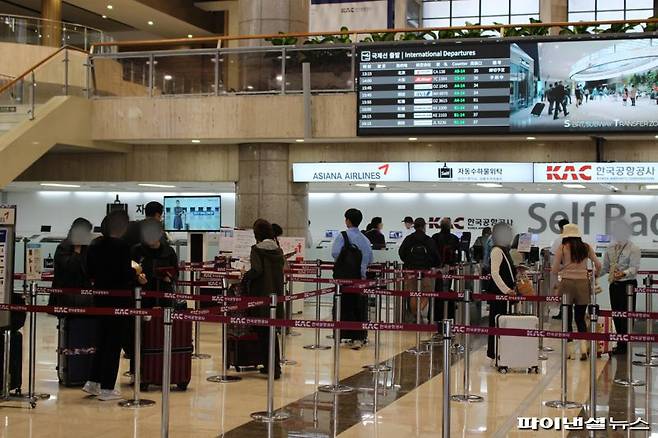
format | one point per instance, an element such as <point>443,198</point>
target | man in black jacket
<point>419,252</point>
<point>152,210</point>
<point>448,247</point>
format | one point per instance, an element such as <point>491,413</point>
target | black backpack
<point>348,262</point>
<point>419,256</point>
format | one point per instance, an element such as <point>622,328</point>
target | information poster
<point>243,240</point>
<point>525,242</point>
<point>293,247</point>
<point>34,262</point>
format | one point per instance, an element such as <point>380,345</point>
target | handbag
<point>524,285</point>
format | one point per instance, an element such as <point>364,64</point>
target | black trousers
<point>580,315</point>
<point>263,334</point>
<point>495,308</point>
<point>619,302</point>
<point>105,367</point>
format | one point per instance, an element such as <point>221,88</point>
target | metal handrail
<point>37,65</point>
<point>221,38</point>
<point>63,23</point>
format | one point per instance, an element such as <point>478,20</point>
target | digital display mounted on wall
<point>519,86</point>
<point>192,213</point>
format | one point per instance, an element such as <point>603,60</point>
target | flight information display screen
<point>506,87</point>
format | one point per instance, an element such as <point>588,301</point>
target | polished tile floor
<point>408,399</point>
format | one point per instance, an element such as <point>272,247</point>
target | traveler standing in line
<point>265,277</point>
<point>352,254</point>
<point>109,267</point>
<point>621,262</point>
<point>503,277</point>
<point>375,235</point>
<point>418,252</point>
<point>570,263</point>
<point>448,246</point>
<point>70,265</point>
<point>477,249</point>
<point>152,210</point>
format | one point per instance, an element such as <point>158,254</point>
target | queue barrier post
<point>458,348</point>
<point>466,396</point>
<point>289,331</point>
<point>593,318</point>
<point>166,372</point>
<point>378,366</point>
<point>387,299</point>
<point>336,387</point>
<point>564,403</point>
<point>316,345</point>
<point>541,313</point>
<point>398,308</point>
<point>648,354</point>
<point>446,331</point>
<point>284,360</point>
<point>6,337</point>
<point>196,290</point>
<point>223,377</point>
<point>270,415</point>
<point>137,401</point>
<point>418,349</point>
<point>628,380</point>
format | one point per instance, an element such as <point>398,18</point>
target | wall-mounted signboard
<point>602,173</point>
<point>524,86</point>
<point>350,172</point>
<point>471,172</point>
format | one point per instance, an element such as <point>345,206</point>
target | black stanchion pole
<point>137,401</point>
<point>446,331</point>
<point>564,403</point>
<point>336,387</point>
<point>270,415</point>
<point>166,373</point>
<point>593,318</point>
<point>629,381</point>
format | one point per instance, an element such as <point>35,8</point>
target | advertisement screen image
<point>580,86</point>
<point>192,213</point>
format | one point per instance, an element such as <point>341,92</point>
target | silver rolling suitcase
<point>514,352</point>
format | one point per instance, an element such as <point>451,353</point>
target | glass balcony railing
<point>37,31</point>
<point>265,70</point>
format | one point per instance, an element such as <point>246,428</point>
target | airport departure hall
<point>328,218</point>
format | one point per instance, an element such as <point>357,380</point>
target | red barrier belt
<point>646,290</point>
<point>625,314</point>
<point>99,311</point>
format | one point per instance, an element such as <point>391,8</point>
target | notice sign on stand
<point>34,262</point>
<point>242,243</point>
<point>293,247</point>
<point>525,242</point>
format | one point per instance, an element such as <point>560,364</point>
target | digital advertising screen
<point>192,213</point>
<point>587,85</point>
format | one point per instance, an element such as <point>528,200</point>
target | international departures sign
<point>477,172</point>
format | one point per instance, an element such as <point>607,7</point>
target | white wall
<point>59,208</point>
<point>326,211</point>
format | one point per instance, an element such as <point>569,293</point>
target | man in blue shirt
<point>353,218</point>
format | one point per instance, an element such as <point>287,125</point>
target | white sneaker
<point>107,395</point>
<point>92,388</point>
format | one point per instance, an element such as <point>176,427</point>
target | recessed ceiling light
<point>110,7</point>
<point>656,136</point>
<point>168,77</point>
<point>163,186</point>
<point>531,138</point>
<point>59,185</point>
<point>150,23</point>
<point>489,185</point>
<point>300,140</point>
<point>250,87</point>
<point>104,16</point>
<point>189,35</point>
<point>651,187</point>
<point>413,138</point>
<point>573,186</point>
<point>380,186</point>
<point>362,185</point>
<point>196,141</point>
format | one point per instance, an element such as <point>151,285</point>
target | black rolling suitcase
<point>76,346</point>
<point>537,109</point>
<point>15,360</point>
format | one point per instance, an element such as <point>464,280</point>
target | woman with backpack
<point>570,264</point>
<point>418,252</point>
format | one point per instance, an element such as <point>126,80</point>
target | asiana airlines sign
<point>350,172</point>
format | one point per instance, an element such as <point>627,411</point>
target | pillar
<point>553,10</point>
<point>51,31</point>
<point>265,189</point>
<point>257,17</point>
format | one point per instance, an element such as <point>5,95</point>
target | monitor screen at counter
<point>192,213</point>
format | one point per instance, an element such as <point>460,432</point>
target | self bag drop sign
<point>350,172</point>
<point>596,173</point>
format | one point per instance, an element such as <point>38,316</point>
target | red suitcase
<point>152,353</point>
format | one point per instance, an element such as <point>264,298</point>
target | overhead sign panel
<point>471,172</point>
<point>610,173</point>
<point>350,172</point>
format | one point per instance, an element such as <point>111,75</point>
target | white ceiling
<point>104,186</point>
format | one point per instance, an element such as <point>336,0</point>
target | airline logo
<point>350,172</point>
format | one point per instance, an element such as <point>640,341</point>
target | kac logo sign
<point>568,173</point>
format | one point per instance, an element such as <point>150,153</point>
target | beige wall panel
<point>631,151</point>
